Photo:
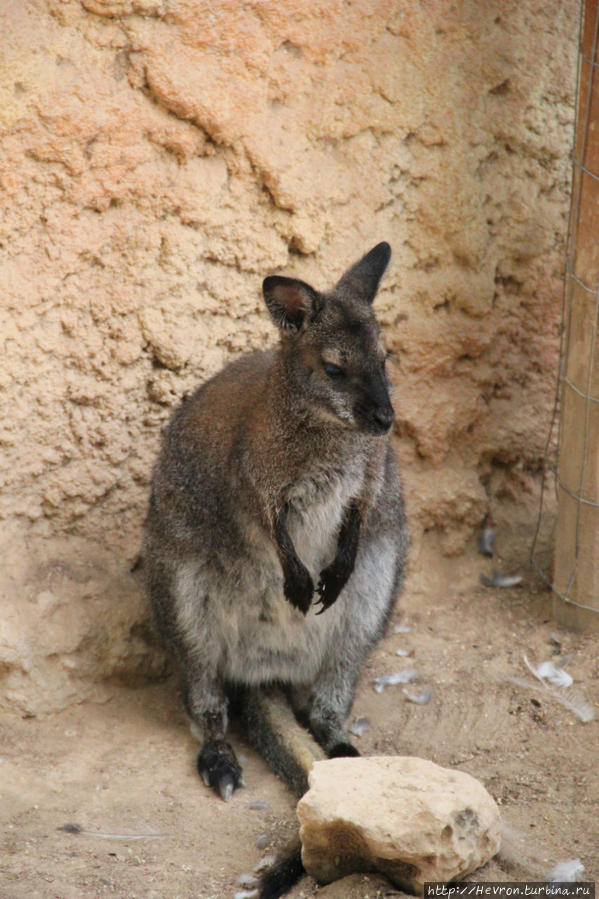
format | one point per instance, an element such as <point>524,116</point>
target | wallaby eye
<point>332,370</point>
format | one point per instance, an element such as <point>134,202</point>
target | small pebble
<point>402,652</point>
<point>402,629</point>
<point>257,805</point>
<point>263,841</point>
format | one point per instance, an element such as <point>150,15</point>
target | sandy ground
<point>124,770</point>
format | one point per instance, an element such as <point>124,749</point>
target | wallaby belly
<point>242,615</point>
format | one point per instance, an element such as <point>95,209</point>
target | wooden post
<point>576,557</point>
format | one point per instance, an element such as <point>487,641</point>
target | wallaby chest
<point>317,502</point>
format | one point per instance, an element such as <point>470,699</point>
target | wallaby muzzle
<point>373,411</point>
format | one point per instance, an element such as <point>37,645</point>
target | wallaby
<point>275,540</point>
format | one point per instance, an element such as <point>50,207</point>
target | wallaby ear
<point>362,279</point>
<point>289,301</point>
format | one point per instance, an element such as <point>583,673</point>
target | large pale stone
<point>405,817</point>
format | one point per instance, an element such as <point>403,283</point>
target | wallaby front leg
<point>298,584</point>
<point>207,706</point>
<point>335,576</point>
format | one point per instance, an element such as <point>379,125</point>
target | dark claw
<point>226,785</point>
<point>219,768</point>
<point>320,602</point>
<point>328,590</point>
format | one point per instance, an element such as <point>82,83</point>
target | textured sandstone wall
<point>157,159</point>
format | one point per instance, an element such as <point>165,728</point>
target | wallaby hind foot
<point>219,768</point>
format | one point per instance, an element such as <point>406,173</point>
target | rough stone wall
<point>157,159</point>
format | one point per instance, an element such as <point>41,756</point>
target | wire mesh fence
<point>572,450</point>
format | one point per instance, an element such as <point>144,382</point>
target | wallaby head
<point>331,345</point>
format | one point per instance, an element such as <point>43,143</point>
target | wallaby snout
<point>373,411</point>
<point>381,419</point>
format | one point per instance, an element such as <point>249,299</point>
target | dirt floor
<point>124,770</point>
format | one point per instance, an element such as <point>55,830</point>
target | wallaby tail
<point>290,751</point>
<point>284,874</point>
<point>274,732</point>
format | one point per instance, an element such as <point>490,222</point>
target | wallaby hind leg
<point>326,719</point>
<point>204,696</point>
<point>206,705</point>
<point>324,708</point>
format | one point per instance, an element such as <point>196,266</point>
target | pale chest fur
<point>317,505</point>
<point>266,635</point>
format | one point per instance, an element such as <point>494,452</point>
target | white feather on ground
<point>570,697</point>
<point>486,542</point>
<point>359,727</point>
<point>126,835</point>
<point>501,580</point>
<point>555,675</point>
<point>400,677</point>
<point>567,872</point>
<point>418,698</point>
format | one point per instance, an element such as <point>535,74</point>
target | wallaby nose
<point>384,416</point>
<point>373,411</point>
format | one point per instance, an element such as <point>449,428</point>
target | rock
<point>73,617</point>
<point>406,817</point>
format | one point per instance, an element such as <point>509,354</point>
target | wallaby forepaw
<point>299,589</point>
<point>332,581</point>
<point>219,768</point>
